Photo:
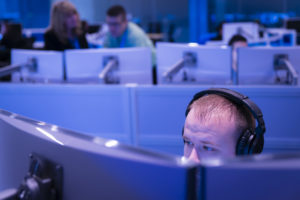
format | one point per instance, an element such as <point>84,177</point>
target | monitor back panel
<point>256,64</point>
<point>134,65</point>
<point>93,168</point>
<point>250,30</point>
<point>49,65</point>
<point>213,64</point>
<point>270,179</point>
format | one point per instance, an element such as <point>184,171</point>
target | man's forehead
<point>216,125</point>
<point>115,18</point>
<point>200,136</point>
<point>212,111</point>
<point>199,127</point>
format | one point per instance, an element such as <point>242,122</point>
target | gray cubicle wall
<point>91,109</point>
<point>146,116</point>
<point>160,116</point>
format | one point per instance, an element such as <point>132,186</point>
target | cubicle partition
<point>160,115</point>
<point>147,116</point>
<point>34,154</point>
<point>91,109</point>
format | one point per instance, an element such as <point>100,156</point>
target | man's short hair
<point>219,108</point>
<point>237,38</point>
<point>116,10</point>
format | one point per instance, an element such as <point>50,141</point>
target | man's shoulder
<point>137,35</point>
<point>135,30</point>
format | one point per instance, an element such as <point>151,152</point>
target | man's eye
<point>207,148</point>
<point>187,142</point>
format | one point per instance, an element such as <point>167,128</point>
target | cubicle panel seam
<point>135,137</point>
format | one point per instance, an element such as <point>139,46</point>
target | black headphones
<point>250,141</point>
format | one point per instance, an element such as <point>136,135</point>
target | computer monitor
<point>200,64</point>
<point>256,64</point>
<point>90,167</point>
<point>132,65</point>
<point>259,177</point>
<point>250,30</point>
<point>49,65</point>
<point>279,37</point>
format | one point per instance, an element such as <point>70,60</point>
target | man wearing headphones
<point>221,123</point>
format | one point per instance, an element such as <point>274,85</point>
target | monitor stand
<point>44,180</point>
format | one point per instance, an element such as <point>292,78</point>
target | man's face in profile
<point>116,25</point>
<point>209,138</point>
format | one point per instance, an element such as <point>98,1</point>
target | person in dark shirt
<point>219,35</point>
<point>65,30</point>
<point>236,41</point>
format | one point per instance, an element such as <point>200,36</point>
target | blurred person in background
<point>12,38</point>
<point>123,33</point>
<point>219,36</point>
<point>65,30</point>
<point>236,41</point>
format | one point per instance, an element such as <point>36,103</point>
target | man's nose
<point>194,155</point>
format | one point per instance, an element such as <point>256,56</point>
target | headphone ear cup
<point>258,145</point>
<point>244,142</point>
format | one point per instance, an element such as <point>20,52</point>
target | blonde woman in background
<point>65,30</point>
